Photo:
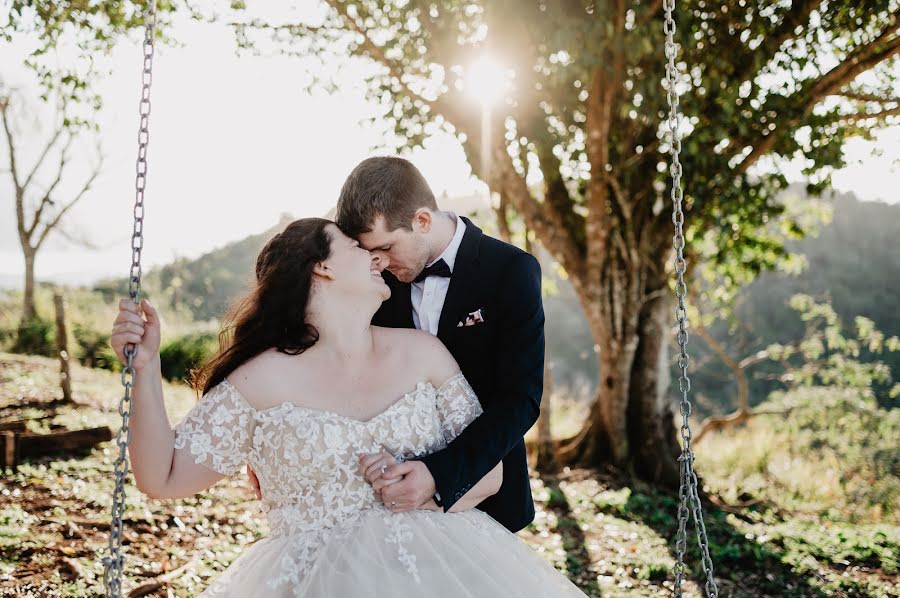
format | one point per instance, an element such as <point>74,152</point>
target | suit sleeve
<point>520,377</point>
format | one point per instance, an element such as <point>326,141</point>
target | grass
<point>790,530</point>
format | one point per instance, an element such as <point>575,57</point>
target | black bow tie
<point>439,268</point>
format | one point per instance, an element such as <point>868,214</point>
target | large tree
<point>582,116</point>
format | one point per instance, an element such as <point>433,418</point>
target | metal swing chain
<point>114,562</point>
<point>687,492</point>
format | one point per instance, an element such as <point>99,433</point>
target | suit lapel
<point>462,283</point>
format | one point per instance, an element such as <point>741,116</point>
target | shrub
<point>186,352</point>
<point>36,337</point>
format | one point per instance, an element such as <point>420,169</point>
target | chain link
<point>689,498</point>
<point>114,562</point>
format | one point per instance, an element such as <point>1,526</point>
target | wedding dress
<point>330,535</point>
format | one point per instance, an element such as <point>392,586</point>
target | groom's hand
<point>415,489</point>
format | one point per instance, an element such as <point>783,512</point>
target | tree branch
<point>600,103</point>
<point>653,8</point>
<point>797,15</point>
<point>719,422</point>
<point>556,196</point>
<point>867,97</point>
<point>375,51</point>
<point>881,114</point>
<point>45,200</point>
<point>543,222</point>
<point>69,205</point>
<point>14,170</point>
<point>858,61</point>
<point>56,135</point>
<point>502,213</point>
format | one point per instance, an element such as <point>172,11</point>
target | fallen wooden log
<point>17,445</point>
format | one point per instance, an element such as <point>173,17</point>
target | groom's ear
<point>322,270</point>
<point>423,220</point>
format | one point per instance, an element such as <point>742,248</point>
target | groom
<point>482,298</point>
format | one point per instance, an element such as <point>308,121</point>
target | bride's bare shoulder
<point>260,377</point>
<point>421,351</point>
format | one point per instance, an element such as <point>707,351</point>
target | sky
<point>235,142</point>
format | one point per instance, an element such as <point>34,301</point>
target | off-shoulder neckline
<point>291,406</point>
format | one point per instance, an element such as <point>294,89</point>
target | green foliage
<point>36,337</point>
<point>827,356</point>
<point>179,356</point>
<point>90,313</point>
<point>94,348</point>
<point>81,33</point>
<point>825,450</point>
<point>849,263</point>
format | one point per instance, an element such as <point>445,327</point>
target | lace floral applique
<point>218,430</point>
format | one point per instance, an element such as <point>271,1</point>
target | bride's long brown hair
<point>273,313</point>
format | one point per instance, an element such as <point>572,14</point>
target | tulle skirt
<point>405,555</point>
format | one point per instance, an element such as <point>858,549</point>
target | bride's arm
<point>159,470</point>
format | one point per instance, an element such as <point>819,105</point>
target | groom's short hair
<point>385,186</point>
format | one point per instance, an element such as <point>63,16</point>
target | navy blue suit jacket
<point>502,358</point>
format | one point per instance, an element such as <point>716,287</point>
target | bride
<point>301,389</point>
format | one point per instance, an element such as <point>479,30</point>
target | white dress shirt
<point>428,296</point>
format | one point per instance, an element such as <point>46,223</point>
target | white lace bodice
<point>307,459</point>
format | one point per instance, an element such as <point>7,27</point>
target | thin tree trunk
<point>28,310</point>
<point>546,450</point>
<point>62,347</point>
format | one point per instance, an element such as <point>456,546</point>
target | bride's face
<point>353,269</point>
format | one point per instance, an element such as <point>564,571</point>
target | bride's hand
<point>372,467</point>
<point>140,325</point>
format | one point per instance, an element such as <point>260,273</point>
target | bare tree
<point>39,207</point>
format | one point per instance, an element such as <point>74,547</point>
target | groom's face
<point>404,253</point>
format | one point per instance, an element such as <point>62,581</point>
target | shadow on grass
<point>574,541</point>
<point>741,565</point>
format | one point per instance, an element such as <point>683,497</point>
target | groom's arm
<point>511,412</point>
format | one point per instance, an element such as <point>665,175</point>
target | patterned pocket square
<point>472,319</point>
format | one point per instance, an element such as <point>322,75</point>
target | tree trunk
<point>546,450</point>
<point>604,438</point>
<point>652,429</point>
<point>631,424</point>
<point>28,310</point>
